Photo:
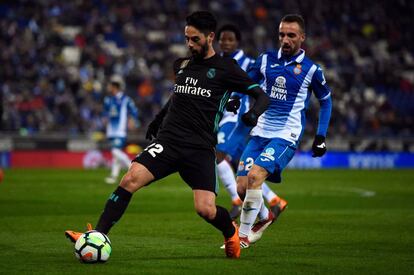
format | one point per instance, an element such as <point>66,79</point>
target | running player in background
<point>119,112</point>
<point>289,78</point>
<point>233,134</point>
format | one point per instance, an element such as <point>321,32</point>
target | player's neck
<point>211,52</point>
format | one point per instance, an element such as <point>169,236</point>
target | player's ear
<point>302,37</point>
<point>210,37</point>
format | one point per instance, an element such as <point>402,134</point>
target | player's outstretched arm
<point>319,145</point>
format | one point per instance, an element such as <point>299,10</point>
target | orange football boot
<point>73,236</point>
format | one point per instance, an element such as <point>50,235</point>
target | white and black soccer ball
<point>93,247</point>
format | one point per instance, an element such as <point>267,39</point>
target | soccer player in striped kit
<point>233,134</point>
<point>118,108</point>
<point>289,78</point>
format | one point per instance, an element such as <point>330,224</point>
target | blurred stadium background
<point>55,60</point>
<point>56,57</point>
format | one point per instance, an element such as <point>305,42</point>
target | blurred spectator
<point>56,57</point>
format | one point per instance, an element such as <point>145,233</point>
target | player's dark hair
<point>203,21</point>
<point>116,84</point>
<point>291,18</point>
<point>230,28</point>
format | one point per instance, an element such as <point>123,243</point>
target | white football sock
<point>226,175</point>
<point>267,192</point>
<point>121,156</point>
<point>263,213</point>
<point>251,206</point>
<point>115,168</point>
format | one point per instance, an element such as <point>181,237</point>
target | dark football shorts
<point>196,166</point>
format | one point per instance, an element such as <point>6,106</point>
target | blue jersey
<point>244,62</point>
<point>289,82</point>
<point>116,109</point>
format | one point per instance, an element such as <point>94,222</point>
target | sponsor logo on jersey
<point>298,69</point>
<point>268,155</point>
<point>279,90</point>
<point>211,73</point>
<point>274,65</point>
<point>190,87</point>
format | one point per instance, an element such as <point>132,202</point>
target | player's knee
<point>207,212</point>
<point>254,179</point>
<point>131,182</point>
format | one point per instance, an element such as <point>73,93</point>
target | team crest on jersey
<point>211,73</point>
<point>298,69</point>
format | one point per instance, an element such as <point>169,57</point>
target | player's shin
<point>114,209</point>
<point>263,212</point>
<point>226,175</point>
<point>251,206</point>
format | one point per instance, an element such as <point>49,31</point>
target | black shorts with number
<point>196,166</point>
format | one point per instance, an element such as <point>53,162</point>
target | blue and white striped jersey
<point>289,82</point>
<point>116,109</point>
<point>244,62</point>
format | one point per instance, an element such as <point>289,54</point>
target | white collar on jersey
<point>298,59</point>
<point>119,95</point>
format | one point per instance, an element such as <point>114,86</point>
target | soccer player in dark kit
<point>185,132</point>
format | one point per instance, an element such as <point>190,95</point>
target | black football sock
<point>223,222</point>
<point>114,209</point>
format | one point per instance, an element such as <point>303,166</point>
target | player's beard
<point>199,55</point>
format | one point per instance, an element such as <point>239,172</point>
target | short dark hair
<point>204,21</point>
<point>291,18</point>
<point>230,28</point>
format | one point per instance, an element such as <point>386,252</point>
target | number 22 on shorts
<point>154,148</point>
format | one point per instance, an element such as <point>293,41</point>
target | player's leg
<point>219,217</point>
<point>119,159</point>
<point>227,177</point>
<point>273,159</point>
<point>122,157</point>
<point>277,204</point>
<point>115,169</point>
<point>252,198</point>
<point>136,177</point>
<point>252,203</point>
<point>224,169</point>
<point>155,162</point>
<point>198,169</point>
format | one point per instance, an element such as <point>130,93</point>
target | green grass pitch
<point>338,222</point>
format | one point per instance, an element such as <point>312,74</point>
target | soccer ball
<point>93,247</point>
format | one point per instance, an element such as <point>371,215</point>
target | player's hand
<point>153,128</point>
<point>250,118</point>
<point>233,104</point>
<point>318,146</point>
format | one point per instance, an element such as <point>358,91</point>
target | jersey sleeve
<point>106,106</point>
<point>319,85</point>
<point>323,93</point>
<point>254,70</point>
<point>132,109</point>
<point>237,80</point>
